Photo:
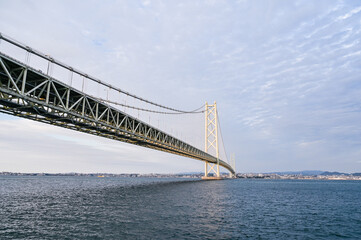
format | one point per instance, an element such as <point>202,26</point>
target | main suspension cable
<point>50,59</point>
<point>220,131</point>
<point>148,110</point>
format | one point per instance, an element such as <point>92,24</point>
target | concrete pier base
<point>212,178</point>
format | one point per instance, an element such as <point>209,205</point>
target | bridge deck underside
<point>28,93</point>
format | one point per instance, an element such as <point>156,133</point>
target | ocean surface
<point>43,207</point>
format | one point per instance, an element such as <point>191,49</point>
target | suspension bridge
<point>34,94</point>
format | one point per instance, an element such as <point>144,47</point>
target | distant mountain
<point>333,173</point>
<point>304,173</point>
<point>356,174</point>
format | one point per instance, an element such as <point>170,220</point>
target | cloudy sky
<point>286,76</point>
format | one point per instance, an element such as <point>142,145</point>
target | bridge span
<point>29,93</point>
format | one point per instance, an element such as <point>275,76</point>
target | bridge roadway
<point>29,93</point>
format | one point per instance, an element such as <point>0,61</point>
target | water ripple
<point>146,208</point>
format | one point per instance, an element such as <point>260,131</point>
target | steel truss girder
<point>28,93</point>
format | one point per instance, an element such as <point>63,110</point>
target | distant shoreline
<point>295,176</point>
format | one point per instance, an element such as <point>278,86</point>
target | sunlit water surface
<point>151,208</point>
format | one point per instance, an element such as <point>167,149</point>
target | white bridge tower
<point>211,141</point>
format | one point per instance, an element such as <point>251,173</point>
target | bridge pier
<point>207,171</point>
<point>212,178</point>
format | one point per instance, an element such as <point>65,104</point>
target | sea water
<point>48,207</point>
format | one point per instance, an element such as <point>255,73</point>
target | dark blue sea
<point>45,207</point>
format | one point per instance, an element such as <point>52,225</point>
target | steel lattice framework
<point>29,93</point>
<point>211,138</point>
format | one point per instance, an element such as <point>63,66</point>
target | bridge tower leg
<point>211,140</point>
